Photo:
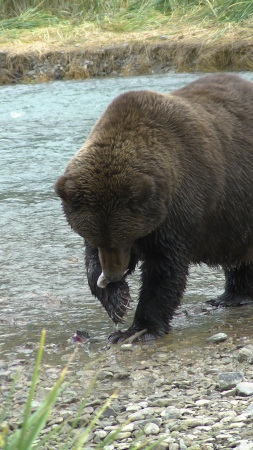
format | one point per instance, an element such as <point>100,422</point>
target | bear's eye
<point>79,201</point>
<point>133,206</point>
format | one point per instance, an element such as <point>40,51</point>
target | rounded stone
<point>126,347</point>
<point>171,413</point>
<point>228,380</point>
<point>245,445</point>
<point>101,434</point>
<point>245,353</point>
<point>244,388</point>
<point>216,338</point>
<point>151,428</point>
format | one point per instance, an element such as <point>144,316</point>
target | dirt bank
<point>135,54</point>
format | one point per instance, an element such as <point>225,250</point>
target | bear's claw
<point>116,299</point>
<point>130,335</point>
<point>227,301</point>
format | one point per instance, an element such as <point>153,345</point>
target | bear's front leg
<point>163,284</point>
<point>115,297</point>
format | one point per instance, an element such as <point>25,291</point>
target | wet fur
<point>170,178</point>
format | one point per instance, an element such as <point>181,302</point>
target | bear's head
<point>113,192</point>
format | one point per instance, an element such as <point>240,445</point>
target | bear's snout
<point>114,263</point>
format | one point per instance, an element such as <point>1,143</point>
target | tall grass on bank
<point>119,15</point>
<point>30,19</point>
<point>32,423</point>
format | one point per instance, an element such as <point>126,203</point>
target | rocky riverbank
<point>26,64</point>
<point>197,398</point>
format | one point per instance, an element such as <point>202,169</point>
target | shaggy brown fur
<point>168,180</point>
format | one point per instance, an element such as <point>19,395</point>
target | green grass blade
<point>9,398</point>
<point>28,406</point>
<point>82,439</point>
<point>38,420</point>
<point>84,401</point>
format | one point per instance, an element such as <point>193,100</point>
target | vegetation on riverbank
<point>31,20</point>
<point>42,40</point>
<point>121,15</point>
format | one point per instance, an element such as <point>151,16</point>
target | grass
<point>33,423</point>
<point>120,15</point>
<point>100,10</point>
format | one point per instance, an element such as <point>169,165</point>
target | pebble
<point>101,434</point>
<point>245,445</point>
<point>104,374</point>
<point>244,388</point>
<point>171,413</point>
<point>182,445</point>
<point>202,402</point>
<point>123,435</point>
<point>128,427</point>
<point>249,410</point>
<point>151,428</point>
<point>140,424</point>
<point>217,338</point>
<point>245,354</point>
<point>133,408</point>
<point>228,380</point>
<point>126,347</point>
<point>143,413</point>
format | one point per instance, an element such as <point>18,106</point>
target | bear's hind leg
<point>238,287</point>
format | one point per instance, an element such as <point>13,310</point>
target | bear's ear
<point>147,188</point>
<point>65,188</point>
<point>142,189</point>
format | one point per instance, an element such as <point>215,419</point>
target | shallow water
<point>42,273</point>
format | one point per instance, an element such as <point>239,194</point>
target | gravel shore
<point>197,398</point>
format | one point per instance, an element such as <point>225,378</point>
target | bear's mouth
<point>103,281</point>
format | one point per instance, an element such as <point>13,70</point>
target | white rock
<point>245,353</point>
<point>244,388</point>
<point>143,404</point>
<point>101,434</point>
<point>202,402</point>
<point>133,408</point>
<point>151,428</point>
<point>128,427</point>
<point>182,445</point>
<point>171,413</point>
<point>245,445</point>
<point>219,337</point>
<point>249,410</point>
<point>127,347</point>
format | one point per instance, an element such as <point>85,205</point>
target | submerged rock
<point>217,338</point>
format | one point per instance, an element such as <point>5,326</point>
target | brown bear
<point>166,179</point>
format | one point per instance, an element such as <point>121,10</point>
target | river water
<point>43,282</point>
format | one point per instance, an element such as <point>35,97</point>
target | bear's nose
<point>106,279</point>
<point>114,263</point>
